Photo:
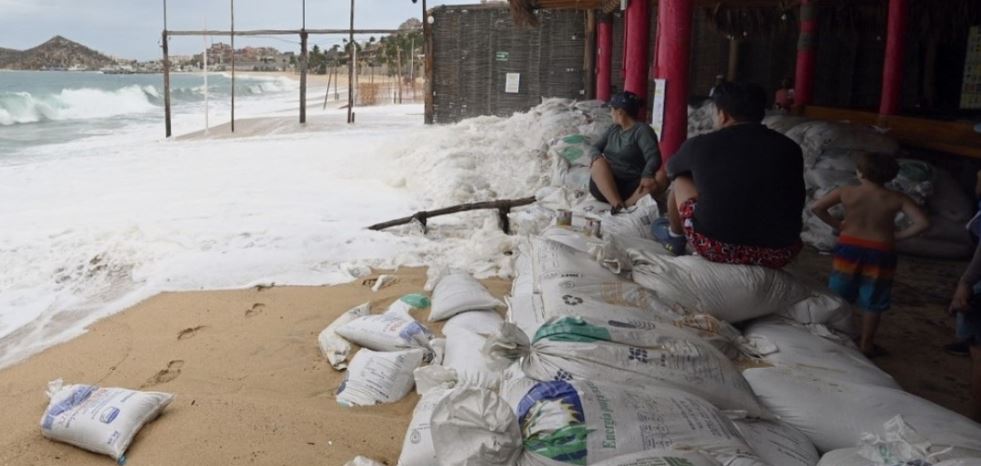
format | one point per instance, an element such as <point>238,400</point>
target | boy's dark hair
<point>744,102</point>
<point>877,168</point>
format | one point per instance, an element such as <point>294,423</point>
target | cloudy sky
<point>131,28</point>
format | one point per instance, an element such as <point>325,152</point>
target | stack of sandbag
<point>829,162</point>
<point>701,119</point>
<point>393,345</point>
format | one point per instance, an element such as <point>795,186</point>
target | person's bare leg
<point>602,175</point>
<point>870,324</point>
<point>976,380</point>
<point>682,190</point>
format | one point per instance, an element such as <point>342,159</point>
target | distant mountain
<point>57,53</point>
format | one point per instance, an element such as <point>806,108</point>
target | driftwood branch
<point>503,207</point>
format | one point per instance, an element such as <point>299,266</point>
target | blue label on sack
<point>108,415</point>
<point>78,396</point>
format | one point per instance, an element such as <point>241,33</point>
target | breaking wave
<point>76,104</point>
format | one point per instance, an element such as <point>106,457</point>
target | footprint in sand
<point>255,310</point>
<point>170,373</point>
<point>189,332</point>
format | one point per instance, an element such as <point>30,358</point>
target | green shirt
<point>632,153</point>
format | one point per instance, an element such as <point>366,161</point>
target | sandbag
<point>100,420</point>
<point>464,355</point>
<point>777,443</point>
<point>334,347</point>
<point>570,282</point>
<point>481,321</point>
<point>391,331</point>
<point>733,293</point>
<point>417,446</point>
<point>818,178</point>
<point>823,308</point>
<point>783,123</point>
<point>577,422</point>
<point>377,377</point>
<point>459,292</point>
<point>633,353</point>
<point>902,445</point>
<point>835,413</point>
<point>364,461</point>
<point>662,457</point>
<point>949,201</point>
<point>797,347</point>
<point>576,149</point>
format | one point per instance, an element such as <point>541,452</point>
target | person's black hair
<point>628,102</point>
<point>744,102</point>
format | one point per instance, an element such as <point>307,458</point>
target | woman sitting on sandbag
<point>627,157</point>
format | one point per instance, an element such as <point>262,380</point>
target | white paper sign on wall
<point>512,83</point>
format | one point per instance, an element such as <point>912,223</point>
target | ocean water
<point>99,211</point>
<point>40,108</point>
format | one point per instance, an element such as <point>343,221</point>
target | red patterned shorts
<point>717,251</point>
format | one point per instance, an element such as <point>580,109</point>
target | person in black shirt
<point>737,193</point>
<point>627,158</point>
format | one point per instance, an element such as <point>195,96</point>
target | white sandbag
<point>662,457</point>
<point>823,308</point>
<point>733,293</point>
<point>334,347</point>
<point>835,413</point>
<point>575,149</point>
<point>633,222</point>
<point>364,461</point>
<point>777,443</point>
<point>902,445</point>
<point>633,353</point>
<point>798,347</point>
<point>817,178</point>
<point>408,303</point>
<point>577,422</point>
<point>459,292</point>
<point>464,355</point>
<point>100,420</point>
<point>949,201</point>
<point>376,377</point>
<point>417,446</point>
<point>515,384</point>
<point>482,322</point>
<point>570,282</point>
<point>783,123</point>
<point>391,331</point>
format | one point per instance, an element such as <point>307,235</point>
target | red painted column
<point>673,54</point>
<point>604,58</point>
<point>637,47</point>
<point>892,72</point>
<point>806,56</point>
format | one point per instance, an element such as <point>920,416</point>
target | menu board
<point>971,93</point>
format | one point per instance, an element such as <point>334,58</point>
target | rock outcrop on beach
<point>57,53</point>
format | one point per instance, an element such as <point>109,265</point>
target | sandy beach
<point>251,385</point>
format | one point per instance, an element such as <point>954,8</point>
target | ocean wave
<point>76,104</point>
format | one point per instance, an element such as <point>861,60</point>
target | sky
<point>131,28</point>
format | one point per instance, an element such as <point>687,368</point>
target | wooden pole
<point>673,64</point>
<point>166,66</point>
<point>733,68</point>
<point>399,73</point>
<point>503,207</point>
<point>303,77</point>
<point>604,58</point>
<point>412,67</point>
<point>892,71</point>
<point>637,47</point>
<point>589,57</point>
<point>806,56</point>
<point>337,94</point>
<point>427,34</point>
<point>350,70</point>
<point>330,74</point>
<point>233,63</point>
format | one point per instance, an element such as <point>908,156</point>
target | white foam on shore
<point>97,225</point>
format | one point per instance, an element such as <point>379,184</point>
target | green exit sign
<point>503,56</point>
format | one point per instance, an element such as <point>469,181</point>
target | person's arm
<point>972,275</point>
<point>919,218</point>
<point>600,146</point>
<point>647,141</point>
<point>822,206</point>
<point>682,163</point>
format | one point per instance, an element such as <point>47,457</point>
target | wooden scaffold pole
<point>303,66</point>
<point>350,70</point>
<point>166,74</point>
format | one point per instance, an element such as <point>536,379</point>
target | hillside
<point>57,52</point>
